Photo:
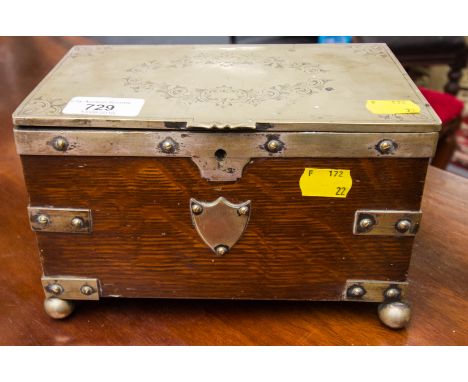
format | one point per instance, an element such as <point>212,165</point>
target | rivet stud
<point>55,289</point>
<point>386,146</point>
<point>87,290</point>
<point>366,224</point>
<point>77,222</point>
<point>403,225</point>
<point>221,250</point>
<point>392,293</point>
<point>43,219</point>
<point>168,146</point>
<point>244,210</point>
<point>356,291</point>
<point>274,145</point>
<point>60,144</point>
<point>197,209</point>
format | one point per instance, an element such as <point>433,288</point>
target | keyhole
<point>220,154</point>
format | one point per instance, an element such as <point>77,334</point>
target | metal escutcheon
<point>221,223</point>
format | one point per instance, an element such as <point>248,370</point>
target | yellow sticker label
<point>402,106</point>
<point>326,182</point>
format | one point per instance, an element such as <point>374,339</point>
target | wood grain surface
<point>143,242</point>
<point>438,270</point>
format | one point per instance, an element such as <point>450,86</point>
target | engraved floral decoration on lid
<point>41,105</point>
<point>226,95</point>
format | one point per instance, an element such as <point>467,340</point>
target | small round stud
<point>197,209</point>
<point>221,250</point>
<point>58,308</point>
<point>356,291</point>
<point>403,225</point>
<point>395,315</point>
<point>87,290</point>
<point>366,224</point>
<point>77,222</point>
<point>274,145</point>
<point>55,289</point>
<point>43,219</point>
<point>392,293</point>
<point>60,144</point>
<point>244,210</point>
<point>168,146</point>
<point>386,146</point>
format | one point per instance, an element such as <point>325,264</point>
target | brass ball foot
<point>395,315</point>
<point>58,308</point>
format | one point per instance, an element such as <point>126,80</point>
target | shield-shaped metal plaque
<point>220,223</point>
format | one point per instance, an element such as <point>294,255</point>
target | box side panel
<point>143,243</point>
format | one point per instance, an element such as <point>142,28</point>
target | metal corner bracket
<point>71,288</point>
<point>374,290</point>
<point>68,220</point>
<point>386,222</point>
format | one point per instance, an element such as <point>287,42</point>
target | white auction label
<point>119,107</point>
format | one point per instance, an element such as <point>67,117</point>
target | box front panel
<point>143,242</point>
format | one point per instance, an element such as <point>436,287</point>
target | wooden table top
<point>438,274</point>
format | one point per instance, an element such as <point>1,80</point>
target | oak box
<point>231,172</point>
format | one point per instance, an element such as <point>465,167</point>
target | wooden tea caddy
<point>226,172</point>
